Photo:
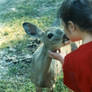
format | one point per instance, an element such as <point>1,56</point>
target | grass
<point>16,86</point>
<point>13,32</point>
<point>25,85</point>
<point>29,8</point>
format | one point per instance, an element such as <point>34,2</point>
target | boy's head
<point>77,15</point>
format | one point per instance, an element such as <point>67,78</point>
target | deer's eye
<point>50,35</point>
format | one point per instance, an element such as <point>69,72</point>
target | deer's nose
<point>50,35</point>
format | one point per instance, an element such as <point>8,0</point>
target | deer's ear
<point>32,29</point>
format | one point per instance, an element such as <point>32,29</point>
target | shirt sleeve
<point>69,76</point>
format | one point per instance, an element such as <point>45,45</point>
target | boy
<point>76,16</point>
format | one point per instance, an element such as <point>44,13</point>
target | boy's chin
<point>74,40</point>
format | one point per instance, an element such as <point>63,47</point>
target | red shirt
<point>77,69</point>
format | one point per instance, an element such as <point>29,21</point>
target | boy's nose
<point>50,35</point>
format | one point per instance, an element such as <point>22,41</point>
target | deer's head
<point>52,38</point>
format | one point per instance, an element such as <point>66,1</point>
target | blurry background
<point>16,47</point>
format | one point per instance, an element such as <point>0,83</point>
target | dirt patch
<point>14,62</point>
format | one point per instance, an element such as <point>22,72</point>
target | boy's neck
<point>87,38</point>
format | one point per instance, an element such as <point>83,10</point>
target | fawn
<point>44,70</point>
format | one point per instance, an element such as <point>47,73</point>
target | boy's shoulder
<point>83,50</point>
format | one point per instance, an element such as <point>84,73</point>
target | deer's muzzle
<point>65,38</point>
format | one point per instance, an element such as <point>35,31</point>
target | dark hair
<point>77,11</point>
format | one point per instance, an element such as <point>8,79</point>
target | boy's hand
<point>56,56</point>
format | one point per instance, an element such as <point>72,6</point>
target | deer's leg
<point>38,89</point>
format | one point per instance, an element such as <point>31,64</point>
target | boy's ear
<point>32,29</point>
<point>71,26</point>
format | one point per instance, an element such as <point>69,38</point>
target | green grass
<point>13,31</point>
<point>27,86</point>
<point>30,8</point>
<point>16,86</point>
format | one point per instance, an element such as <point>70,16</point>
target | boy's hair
<point>77,11</point>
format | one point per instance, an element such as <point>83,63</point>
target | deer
<point>44,69</point>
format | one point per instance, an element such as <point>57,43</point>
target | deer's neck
<point>46,60</point>
<point>44,54</point>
